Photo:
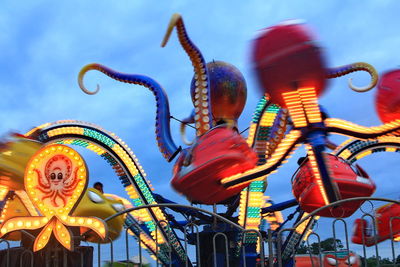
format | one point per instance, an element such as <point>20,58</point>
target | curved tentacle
<point>358,66</point>
<point>361,132</point>
<point>284,150</point>
<point>185,121</point>
<point>40,181</point>
<point>353,149</point>
<point>163,133</point>
<point>267,128</point>
<point>202,102</point>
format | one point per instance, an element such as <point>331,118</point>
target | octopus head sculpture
<point>286,57</point>
<point>228,92</point>
<point>387,99</point>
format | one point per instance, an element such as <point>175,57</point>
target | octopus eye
<point>331,261</point>
<point>59,176</point>
<point>118,207</point>
<point>52,176</point>
<point>95,197</point>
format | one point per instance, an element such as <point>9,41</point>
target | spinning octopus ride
<point>219,166</point>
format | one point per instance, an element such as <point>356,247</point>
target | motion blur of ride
<point>45,200</point>
<point>387,226</point>
<point>344,177</point>
<point>329,258</point>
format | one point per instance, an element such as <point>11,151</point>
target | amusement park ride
<point>43,183</point>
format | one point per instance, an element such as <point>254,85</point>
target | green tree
<point>373,261</point>
<point>326,245</point>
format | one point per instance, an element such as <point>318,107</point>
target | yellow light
<point>316,173</point>
<point>3,192</point>
<point>365,153</point>
<point>310,102</point>
<point>293,102</point>
<point>290,139</point>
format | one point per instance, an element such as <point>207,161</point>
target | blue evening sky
<point>44,44</point>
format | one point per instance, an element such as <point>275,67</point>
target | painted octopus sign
<point>55,180</point>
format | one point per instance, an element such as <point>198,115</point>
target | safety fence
<point>323,242</point>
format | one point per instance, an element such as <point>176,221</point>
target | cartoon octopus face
<point>57,170</point>
<point>58,182</point>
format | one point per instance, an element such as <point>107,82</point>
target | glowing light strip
<point>263,145</point>
<point>23,196</point>
<point>357,149</point>
<point>294,105</point>
<point>315,170</point>
<point>3,192</point>
<point>262,140</point>
<point>275,218</point>
<point>342,145</point>
<point>242,206</point>
<point>291,138</point>
<point>310,104</point>
<point>4,211</point>
<point>363,154</point>
<point>256,117</point>
<point>345,125</point>
<point>133,225</point>
<point>304,229</point>
<point>37,128</point>
<point>345,154</point>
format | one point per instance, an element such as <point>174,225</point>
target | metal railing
<point>215,244</point>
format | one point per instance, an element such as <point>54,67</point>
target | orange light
<point>391,127</point>
<point>54,181</point>
<point>310,103</point>
<point>294,105</point>
<point>3,192</point>
<point>283,147</point>
<point>316,173</point>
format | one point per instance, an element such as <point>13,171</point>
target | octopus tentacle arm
<point>61,197</point>
<point>44,190</point>
<point>202,104</point>
<point>40,181</point>
<point>72,181</point>
<point>82,73</point>
<point>358,66</point>
<point>284,150</point>
<point>49,195</point>
<point>68,191</point>
<point>54,198</point>
<point>361,132</point>
<point>163,132</point>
